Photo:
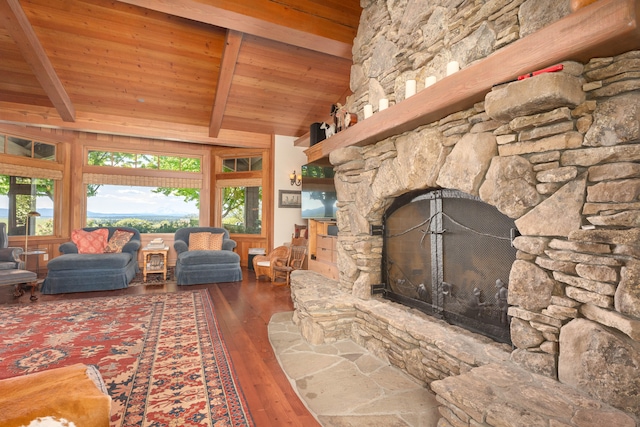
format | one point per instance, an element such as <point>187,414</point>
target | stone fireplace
<point>449,255</point>
<point>559,154</point>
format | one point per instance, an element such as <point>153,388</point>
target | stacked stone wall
<point>414,39</point>
<point>559,153</point>
<point>426,348</point>
<point>473,379</point>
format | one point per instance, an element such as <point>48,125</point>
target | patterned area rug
<point>161,356</point>
<point>153,279</point>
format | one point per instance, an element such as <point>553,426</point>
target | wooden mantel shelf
<point>604,28</point>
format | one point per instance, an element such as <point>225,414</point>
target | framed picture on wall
<point>289,199</point>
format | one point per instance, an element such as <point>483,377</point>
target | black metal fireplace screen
<point>449,254</point>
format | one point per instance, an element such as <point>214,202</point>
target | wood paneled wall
<point>70,192</point>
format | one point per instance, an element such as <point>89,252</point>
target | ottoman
<point>17,278</point>
<point>73,393</point>
<point>198,267</point>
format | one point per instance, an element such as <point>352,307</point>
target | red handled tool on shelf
<point>552,69</point>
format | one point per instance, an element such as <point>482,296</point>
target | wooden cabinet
<point>326,248</point>
<point>323,256</point>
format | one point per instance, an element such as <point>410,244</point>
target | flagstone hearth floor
<point>344,385</point>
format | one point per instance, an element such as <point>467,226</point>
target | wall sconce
<point>295,179</point>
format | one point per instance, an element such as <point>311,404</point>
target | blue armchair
<point>205,266</point>
<point>9,257</point>
<point>12,270</point>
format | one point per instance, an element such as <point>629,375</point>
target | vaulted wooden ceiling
<point>203,71</point>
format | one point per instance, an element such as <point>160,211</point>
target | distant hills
<point>44,213</point>
<point>48,213</point>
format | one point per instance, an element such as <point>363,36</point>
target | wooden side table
<point>155,261</point>
<point>37,252</point>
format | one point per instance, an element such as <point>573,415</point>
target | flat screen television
<point>319,197</point>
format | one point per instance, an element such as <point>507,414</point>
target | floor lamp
<point>30,215</point>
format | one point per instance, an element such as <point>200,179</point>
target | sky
<point>118,199</point>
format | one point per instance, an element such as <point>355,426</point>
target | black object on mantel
<point>316,133</point>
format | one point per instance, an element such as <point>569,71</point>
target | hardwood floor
<point>243,310</point>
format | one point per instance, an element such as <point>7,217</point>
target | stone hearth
<point>479,385</point>
<point>560,154</point>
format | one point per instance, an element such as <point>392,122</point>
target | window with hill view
<point>21,195</point>
<point>148,208</point>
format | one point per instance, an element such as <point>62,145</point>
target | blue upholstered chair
<point>12,268</point>
<point>205,266</point>
<point>9,257</point>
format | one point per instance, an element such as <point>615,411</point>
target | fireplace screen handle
<point>446,289</point>
<point>436,232</point>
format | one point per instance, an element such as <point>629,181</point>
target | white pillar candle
<point>430,81</point>
<point>452,67</point>
<point>368,111</point>
<point>409,88</point>
<point>383,104</point>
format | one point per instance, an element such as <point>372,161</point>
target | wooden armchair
<point>294,261</point>
<point>263,264</point>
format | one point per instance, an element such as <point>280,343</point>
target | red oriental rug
<point>161,356</point>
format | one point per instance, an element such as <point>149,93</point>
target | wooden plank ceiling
<point>202,71</point>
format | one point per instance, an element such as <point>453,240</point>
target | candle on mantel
<point>431,80</point>
<point>409,88</point>
<point>383,104</point>
<point>368,111</point>
<point>452,67</point>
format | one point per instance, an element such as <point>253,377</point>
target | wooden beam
<point>604,28</point>
<point>127,126</point>
<point>16,23</point>
<point>224,18</point>
<point>225,78</point>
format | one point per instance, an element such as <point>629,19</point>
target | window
<point>242,209</point>
<point>143,161</point>
<point>148,209</point>
<point>27,148</point>
<point>20,196</point>
<point>145,200</point>
<point>239,185</point>
<point>245,164</point>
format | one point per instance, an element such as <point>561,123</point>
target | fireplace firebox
<point>449,254</point>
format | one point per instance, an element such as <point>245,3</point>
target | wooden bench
<point>17,278</point>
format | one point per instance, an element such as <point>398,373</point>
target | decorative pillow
<point>215,241</point>
<point>199,241</point>
<point>90,242</point>
<point>118,239</point>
